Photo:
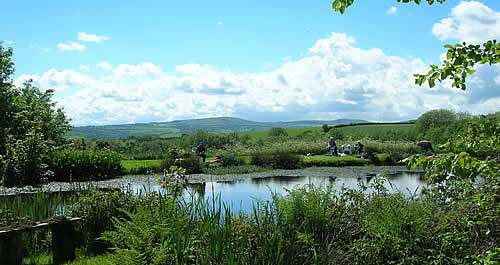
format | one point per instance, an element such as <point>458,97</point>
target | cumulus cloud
<point>91,37</point>
<point>105,66</point>
<point>72,46</point>
<point>39,48</point>
<point>336,80</point>
<point>57,80</point>
<point>472,22</point>
<point>9,42</point>
<point>391,10</point>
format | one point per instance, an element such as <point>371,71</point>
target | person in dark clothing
<point>332,147</point>
<point>359,148</point>
<point>425,146</point>
<point>200,151</point>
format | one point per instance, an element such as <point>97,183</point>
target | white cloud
<point>219,23</point>
<point>391,10</point>
<point>85,68</point>
<point>336,80</point>
<point>57,80</point>
<point>9,42</point>
<point>472,22</point>
<point>105,66</point>
<point>91,37</point>
<point>72,46</point>
<point>39,48</point>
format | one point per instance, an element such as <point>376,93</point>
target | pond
<point>241,194</point>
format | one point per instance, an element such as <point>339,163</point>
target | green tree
<point>439,118</point>
<point>325,127</point>
<point>6,94</point>
<point>277,131</point>
<point>31,127</point>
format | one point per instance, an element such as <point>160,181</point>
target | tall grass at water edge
<point>32,207</point>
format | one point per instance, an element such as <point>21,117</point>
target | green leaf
<point>431,83</point>
<point>449,54</point>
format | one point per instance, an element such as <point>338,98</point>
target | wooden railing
<point>63,240</point>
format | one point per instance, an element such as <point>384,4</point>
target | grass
<point>333,161</point>
<point>133,167</point>
<point>382,132</point>
<point>131,164</point>
<point>31,207</point>
<point>232,170</point>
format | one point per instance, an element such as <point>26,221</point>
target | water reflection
<point>240,194</point>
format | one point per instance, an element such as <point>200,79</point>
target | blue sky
<point>113,62</point>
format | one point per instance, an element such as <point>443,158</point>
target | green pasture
<point>382,132</point>
<point>141,166</point>
<point>291,132</point>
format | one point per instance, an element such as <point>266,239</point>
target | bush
<point>277,131</point>
<point>179,157</point>
<point>230,160</point>
<point>98,208</point>
<point>191,163</point>
<point>262,160</point>
<point>84,165</point>
<point>286,160</point>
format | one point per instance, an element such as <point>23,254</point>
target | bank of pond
<point>350,215</point>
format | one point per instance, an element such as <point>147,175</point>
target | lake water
<point>241,194</point>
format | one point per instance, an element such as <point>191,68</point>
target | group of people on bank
<point>346,148</point>
<point>359,148</point>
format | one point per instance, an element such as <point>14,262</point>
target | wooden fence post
<point>63,245</point>
<point>11,245</point>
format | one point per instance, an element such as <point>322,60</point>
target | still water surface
<point>241,194</point>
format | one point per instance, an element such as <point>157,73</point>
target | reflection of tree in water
<point>197,188</point>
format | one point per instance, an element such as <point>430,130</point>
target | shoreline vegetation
<point>123,182</point>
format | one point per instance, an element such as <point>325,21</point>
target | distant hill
<point>177,128</point>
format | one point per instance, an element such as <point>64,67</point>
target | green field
<point>133,165</point>
<point>383,132</point>
<point>177,128</point>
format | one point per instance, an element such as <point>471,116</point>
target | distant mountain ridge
<point>177,128</point>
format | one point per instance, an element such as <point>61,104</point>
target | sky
<point>119,62</point>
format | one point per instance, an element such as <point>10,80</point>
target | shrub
<point>285,160</point>
<point>277,131</point>
<point>191,163</point>
<point>230,160</point>
<point>98,208</point>
<point>84,165</point>
<point>262,160</point>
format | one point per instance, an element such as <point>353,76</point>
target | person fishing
<point>425,146</point>
<point>332,146</point>
<point>359,148</point>
<point>200,151</point>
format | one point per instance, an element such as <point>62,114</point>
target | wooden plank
<point>36,226</point>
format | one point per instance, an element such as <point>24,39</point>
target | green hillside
<point>177,128</point>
